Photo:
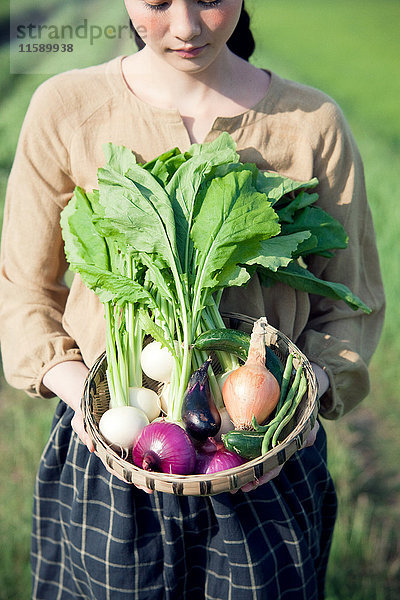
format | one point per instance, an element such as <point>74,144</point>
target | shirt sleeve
<point>32,268</point>
<point>337,338</point>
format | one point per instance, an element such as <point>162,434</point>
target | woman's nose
<point>185,23</point>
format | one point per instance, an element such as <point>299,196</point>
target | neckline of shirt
<point>229,124</point>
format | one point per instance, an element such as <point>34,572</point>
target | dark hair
<point>241,41</point>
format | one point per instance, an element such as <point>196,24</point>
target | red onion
<point>213,457</point>
<point>164,447</point>
<point>204,454</point>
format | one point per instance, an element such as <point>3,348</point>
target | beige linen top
<point>294,130</point>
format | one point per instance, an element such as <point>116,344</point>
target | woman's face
<point>187,34</point>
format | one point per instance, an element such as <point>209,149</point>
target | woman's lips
<point>189,52</point>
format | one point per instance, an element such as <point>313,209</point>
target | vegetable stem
<point>117,393</point>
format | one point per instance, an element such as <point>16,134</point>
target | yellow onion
<point>251,389</point>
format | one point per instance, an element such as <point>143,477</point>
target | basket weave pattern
<point>95,402</point>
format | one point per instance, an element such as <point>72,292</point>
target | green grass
<point>24,432</point>
<point>350,49</point>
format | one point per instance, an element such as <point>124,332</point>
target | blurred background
<point>351,50</point>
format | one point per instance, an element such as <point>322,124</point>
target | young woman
<point>95,537</point>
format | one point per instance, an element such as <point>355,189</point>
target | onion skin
<point>251,389</point>
<point>222,460</point>
<point>204,454</point>
<point>214,457</point>
<point>226,424</point>
<point>164,447</point>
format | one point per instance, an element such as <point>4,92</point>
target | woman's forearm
<point>67,380</point>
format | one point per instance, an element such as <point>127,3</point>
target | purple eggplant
<point>199,413</point>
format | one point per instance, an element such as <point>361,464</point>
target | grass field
<point>350,49</point>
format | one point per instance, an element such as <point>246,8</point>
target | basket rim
<point>276,456</point>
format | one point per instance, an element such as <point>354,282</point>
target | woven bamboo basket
<point>95,402</point>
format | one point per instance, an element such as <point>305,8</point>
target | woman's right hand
<point>66,380</point>
<point>78,426</point>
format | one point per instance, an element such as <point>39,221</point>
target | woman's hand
<point>66,380</point>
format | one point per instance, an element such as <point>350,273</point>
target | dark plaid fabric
<point>96,538</point>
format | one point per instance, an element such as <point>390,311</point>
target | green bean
<point>274,424</point>
<point>257,426</point>
<point>284,385</point>
<point>285,381</point>
<point>272,427</point>
<point>300,393</point>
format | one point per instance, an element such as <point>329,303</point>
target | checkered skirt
<point>97,538</point>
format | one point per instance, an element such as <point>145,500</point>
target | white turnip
<point>145,399</point>
<point>157,362</point>
<point>122,425</point>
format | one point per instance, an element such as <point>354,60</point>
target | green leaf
<point>328,231</point>
<point>138,214</point>
<point>82,241</point>
<point>164,166</point>
<point>232,275</point>
<point>223,142</point>
<point>119,158</point>
<point>183,190</point>
<point>278,251</point>
<point>302,279</point>
<point>159,276</point>
<point>275,186</point>
<point>112,286</point>
<point>303,199</point>
<point>151,328</point>
<point>241,218</point>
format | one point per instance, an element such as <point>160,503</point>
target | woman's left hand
<point>275,472</point>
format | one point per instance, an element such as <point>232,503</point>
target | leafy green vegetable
<point>300,278</point>
<point>326,231</point>
<point>302,200</point>
<point>103,270</point>
<point>278,252</point>
<point>278,187</point>
<point>160,242</point>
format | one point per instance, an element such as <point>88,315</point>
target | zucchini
<point>237,343</point>
<point>245,443</point>
<point>226,340</point>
